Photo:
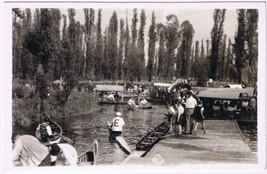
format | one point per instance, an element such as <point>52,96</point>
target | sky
<point>201,19</point>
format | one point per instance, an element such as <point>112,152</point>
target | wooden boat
<point>56,130</point>
<point>151,138</point>
<point>89,157</point>
<point>140,107</point>
<point>101,90</point>
<point>120,140</point>
<point>111,102</point>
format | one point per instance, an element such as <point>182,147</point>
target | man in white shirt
<point>111,97</point>
<point>190,105</point>
<point>28,151</point>
<point>117,124</point>
<point>143,102</point>
<point>180,110</point>
<point>63,154</point>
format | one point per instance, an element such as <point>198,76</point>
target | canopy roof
<point>225,93</point>
<point>162,84</point>
<point>114,88</point>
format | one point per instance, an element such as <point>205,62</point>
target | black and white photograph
<point>133,87</point>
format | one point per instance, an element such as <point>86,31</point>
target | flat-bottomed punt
<point>152,137</point>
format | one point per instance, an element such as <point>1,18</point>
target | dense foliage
<point>48,45</point>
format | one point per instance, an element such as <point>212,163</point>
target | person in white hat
<point>117,124</point>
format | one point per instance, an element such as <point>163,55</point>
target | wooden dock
<point>222,144</point>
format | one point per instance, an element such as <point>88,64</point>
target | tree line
<point>118,52</point>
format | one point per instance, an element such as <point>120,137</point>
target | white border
<point>6,86</point>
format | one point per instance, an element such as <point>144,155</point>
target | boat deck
<point>222,144</point>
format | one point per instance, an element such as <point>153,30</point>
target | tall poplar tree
<point>141,46</point>
<point>151,47</point>
<point>240,44</point>
<point>216,36</point>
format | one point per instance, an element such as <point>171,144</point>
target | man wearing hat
<point>117,124</point>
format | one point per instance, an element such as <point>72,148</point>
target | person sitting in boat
<point>45,130</point>
<point>131,103</point>
<point>143,102</point>
<point>63,154</point>
<point>117,124</point>
<point>111,97</point>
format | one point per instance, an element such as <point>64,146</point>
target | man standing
<point>190,105</point>
<point>179,121</point>
<point>63,154</point>
<point>29,151</point>
<point>117,124</point>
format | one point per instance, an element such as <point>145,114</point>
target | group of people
<point>29,151</point>
<point>185,115</point>
<point>132,104</point>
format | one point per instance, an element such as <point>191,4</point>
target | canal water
<point>85,128</point>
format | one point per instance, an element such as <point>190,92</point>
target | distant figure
<point>28,151</point>
<point>117,124</point>
<point>198,116</point>
<point>131,103</point>
<point>63,154</point>
<point>45,130</point>
<point>190,105</point>
<point>180,117</point>
<point>170,115</point>
<point>111,97</point>
<point>143,102</point>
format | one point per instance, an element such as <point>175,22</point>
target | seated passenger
<point>132,103</point>
<point>111,97</point>
<point>143,102</point>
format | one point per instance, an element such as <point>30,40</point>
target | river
<point>85,128</point>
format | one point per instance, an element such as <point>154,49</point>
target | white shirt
<point>180,111</point>
<point>191,102</point>
<point>131,102</point>
<point>68,157</point>
<point>143,102</point>
<point>111,97</point>
<point>117,124</point>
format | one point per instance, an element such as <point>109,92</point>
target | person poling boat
<point>115,129</point>
<point>46,134</point>
<point>117,124</point>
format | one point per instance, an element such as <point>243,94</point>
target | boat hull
<point>120,140</point>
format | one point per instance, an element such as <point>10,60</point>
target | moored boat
<point>120,140</point>
<point>140,107</point>
<point>152,137</point>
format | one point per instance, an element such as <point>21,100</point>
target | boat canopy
<point>162,84</point>
<point>109,88</point>
<point>226,93</point>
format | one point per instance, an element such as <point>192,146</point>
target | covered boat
<point>102,91</point>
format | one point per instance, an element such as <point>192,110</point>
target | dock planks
<point>222,144</point>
